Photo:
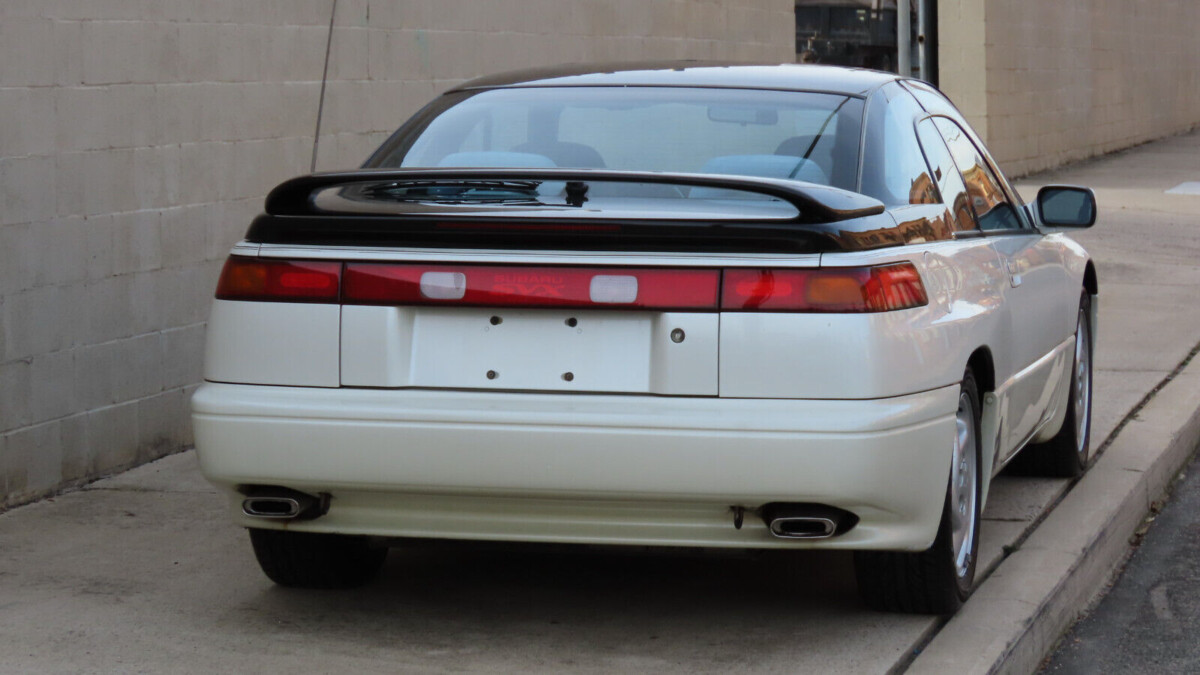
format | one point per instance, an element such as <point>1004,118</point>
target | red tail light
<point>499,286</point>
<point>279,280</point>
<point>829,289</point>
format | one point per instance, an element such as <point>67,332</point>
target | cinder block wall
<point>138,138</point>
<point>1062,81</point>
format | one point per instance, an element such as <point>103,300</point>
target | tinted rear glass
<point>811,137</point>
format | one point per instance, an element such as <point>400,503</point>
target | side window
<point>936,103</point>
<point>945,173</point>
<point>991,207</point>
<point>894,169</point>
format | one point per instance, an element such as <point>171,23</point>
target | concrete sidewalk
<point>1147,245</point>
<point>144,572</point>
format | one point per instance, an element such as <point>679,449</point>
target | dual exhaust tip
<point>784,520</point>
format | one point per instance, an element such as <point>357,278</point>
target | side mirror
<point>1067,206</point>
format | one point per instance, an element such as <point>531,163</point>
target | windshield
<point>802,136</point>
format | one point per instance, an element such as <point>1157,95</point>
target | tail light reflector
<point>443,285</point>
<point>883,288</point>
<point>613,288</point>
<point>500,286</point>
<point>279,280</point>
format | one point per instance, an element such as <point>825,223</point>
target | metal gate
<point>877,34</point>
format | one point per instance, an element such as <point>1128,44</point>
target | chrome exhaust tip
<point>283,508</point>
<point>279,503</point>
<point>806,521</point>
<point>802,528</point>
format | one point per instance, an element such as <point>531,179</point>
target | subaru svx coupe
<point>681,304</point>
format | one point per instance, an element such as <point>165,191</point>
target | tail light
<point>500,286</point>
<point>880,288</point>
<point>883,288</point>
<point>279,280</point>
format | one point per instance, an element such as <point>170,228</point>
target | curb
<point>1016,616</point>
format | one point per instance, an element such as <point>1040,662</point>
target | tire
<point>1066,455</point>
<point>308,560</point>
<point>939,579</point>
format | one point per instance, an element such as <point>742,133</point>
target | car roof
<point>785,76</point>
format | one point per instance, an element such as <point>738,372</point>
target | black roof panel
<point>833,79</point>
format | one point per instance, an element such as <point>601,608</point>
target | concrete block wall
<point>389,58</point>
<point>1048,83</point>
<point>138,138</point>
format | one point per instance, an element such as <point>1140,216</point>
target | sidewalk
<point>144,571</point>
<point>1146,244</point>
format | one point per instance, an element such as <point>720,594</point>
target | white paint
<point>523,463</point>
<point>1188,188</point>
<point>806,401</point>
<point>284,343</point>
<point>455,347</point>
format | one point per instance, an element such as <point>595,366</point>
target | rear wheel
<point>939,579</point>
<point>308,560</point>
<point>1066,455</point>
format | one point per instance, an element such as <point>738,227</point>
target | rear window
<point>804,136</point>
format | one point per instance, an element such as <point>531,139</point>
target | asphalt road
<point>144,572</point>
<point>1150,621</point>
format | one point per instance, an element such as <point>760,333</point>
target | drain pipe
<point>904,38</point>
<point>324,79</point>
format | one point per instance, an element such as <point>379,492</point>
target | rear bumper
<point>583,468</point>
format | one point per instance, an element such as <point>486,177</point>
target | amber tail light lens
<point>882,288</point>
<point>279,280</point>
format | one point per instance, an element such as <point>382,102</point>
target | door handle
<point>1014,276</point>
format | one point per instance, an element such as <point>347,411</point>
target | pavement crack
<point>134,488</point>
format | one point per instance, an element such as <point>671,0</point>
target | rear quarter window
<point>945,172</point>
<point>894,169</point>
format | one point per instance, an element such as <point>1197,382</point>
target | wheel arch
<point>1091,282</point>
<point>1091,286</point>
<point>981,363</point>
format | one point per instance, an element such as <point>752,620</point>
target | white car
<point>785,307</point>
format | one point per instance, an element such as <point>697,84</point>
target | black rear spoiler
<point>816,203</point>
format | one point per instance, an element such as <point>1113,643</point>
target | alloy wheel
<point>963,486</point>
<point>1082,383</point>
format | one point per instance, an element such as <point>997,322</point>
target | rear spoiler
<point>816,203</point>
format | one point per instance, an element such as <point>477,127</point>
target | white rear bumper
<point>583,468</point>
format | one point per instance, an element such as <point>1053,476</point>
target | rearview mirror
<point>1067,206</point>
<point>742,115</point>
